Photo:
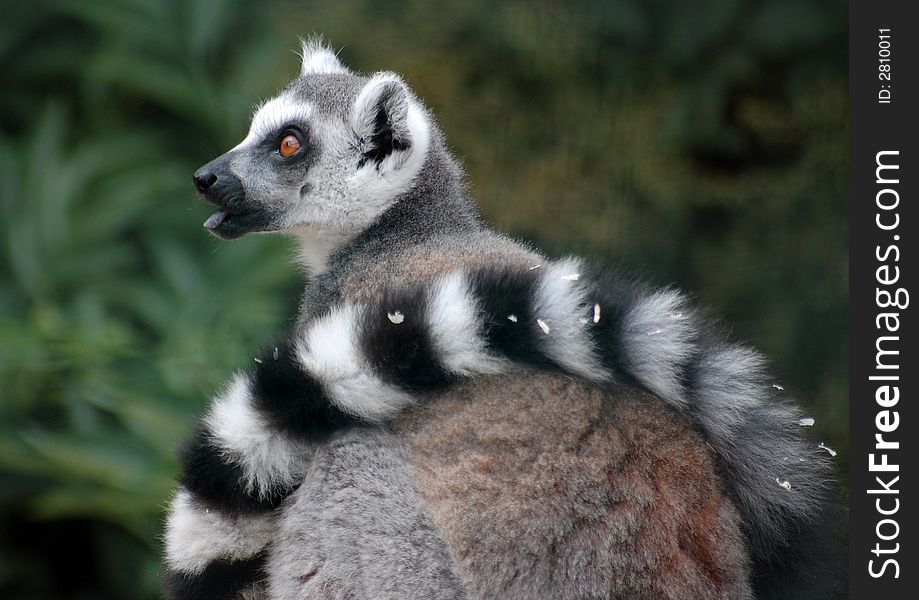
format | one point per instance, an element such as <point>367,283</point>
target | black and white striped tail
<point>243,459</point>
<point>364,363</point>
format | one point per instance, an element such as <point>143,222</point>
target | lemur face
<point>323,159</point>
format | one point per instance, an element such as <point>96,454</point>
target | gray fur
<point>359,518</point>
<point>658,339</point>
<point>355,529</point>
<point>757,432</point>
<point>754,428</point>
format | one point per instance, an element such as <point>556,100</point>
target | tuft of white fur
<point>558,304</point>
<point>319,59</point>
<point>658,332</point>
<point>269,459</point>
<point>456,329</point>
<point>316,245</point>
<point>273,114</point>
<point>197,535</point>
<point>328,349</point>
<point>376,186</point>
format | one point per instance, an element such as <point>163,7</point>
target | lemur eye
<point>289,145</point>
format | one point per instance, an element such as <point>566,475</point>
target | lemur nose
<point>204,179</point>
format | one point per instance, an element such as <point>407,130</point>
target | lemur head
<point>323,159</point>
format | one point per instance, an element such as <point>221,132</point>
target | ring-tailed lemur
<point>456,416</point>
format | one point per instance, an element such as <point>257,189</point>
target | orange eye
<point>289,145</point>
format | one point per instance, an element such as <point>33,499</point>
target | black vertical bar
<point>883,227</point>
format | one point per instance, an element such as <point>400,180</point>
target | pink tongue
<point>215,220</point>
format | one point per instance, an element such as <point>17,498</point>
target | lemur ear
<point>319,59</point>
<point>381,118</point>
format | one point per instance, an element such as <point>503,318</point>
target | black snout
<point>238,215</point>
<point>204,179</point>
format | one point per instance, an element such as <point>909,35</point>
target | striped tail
<point>364,363</point>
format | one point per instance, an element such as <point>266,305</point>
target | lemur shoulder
<point>456,415</point>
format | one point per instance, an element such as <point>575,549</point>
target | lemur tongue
<point>215,220</point>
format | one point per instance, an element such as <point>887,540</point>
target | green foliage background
<point>698,143</point>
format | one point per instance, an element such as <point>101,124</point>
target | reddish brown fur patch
<point>423,263</point>
<point>544,488</point>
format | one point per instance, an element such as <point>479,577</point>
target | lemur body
<point>457,416</point>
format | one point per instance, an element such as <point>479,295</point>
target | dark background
<point>879,127</point>
<point>702,144</point>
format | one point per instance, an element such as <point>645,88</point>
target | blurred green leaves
<point>702,144</point>
<point>119,316</point>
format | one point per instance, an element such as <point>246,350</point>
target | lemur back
<point>456,415</point>
<point>587,491</point>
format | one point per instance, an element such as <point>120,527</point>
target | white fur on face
<point>336,200</point>
<point>269,459</point>
<point>323,219</point>
<point>329,351</point>
<point>197,535</point>
<point>273,114</point>
<point>344,200</point>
